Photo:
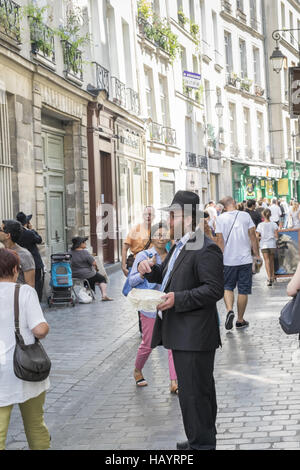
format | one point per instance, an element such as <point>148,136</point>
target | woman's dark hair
<point>267,214</point>
<point>14,228</point>
<point>9,259</point>
<point>158,226</point>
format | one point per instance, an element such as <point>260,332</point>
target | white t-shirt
<point>238,248</point>
<point>276,213</point>
<point>267,231</point>
<point>12,389</point>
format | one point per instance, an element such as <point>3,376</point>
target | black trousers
<point>39,282</point>
<point>197,397</point>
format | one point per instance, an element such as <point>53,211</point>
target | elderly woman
<point>84,266</point>
<point>30,396</point>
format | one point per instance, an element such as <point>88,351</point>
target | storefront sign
<point>265,172</point>
<point>283,187</point>
<point>167,175</point>
<point>191,80</point>
<point>294,91</point>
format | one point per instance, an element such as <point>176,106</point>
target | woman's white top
<point>267,231</point>
<point>12,389</point>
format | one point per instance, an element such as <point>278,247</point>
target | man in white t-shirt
<point>275,212</point>
<point>236,236</point>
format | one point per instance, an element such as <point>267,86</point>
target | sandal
<point>139,380</point>
<point>106,299</point>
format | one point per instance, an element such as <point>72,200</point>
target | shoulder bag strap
<point>17,313</point>
<point>231,229</point>
<point>147,244</point>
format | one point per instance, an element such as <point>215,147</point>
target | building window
<point>240,5</point>
<point>253,15</point>
<point>155,7</point>
<point>203,19</point>
<point>283,18</point>
<point>243,58</point>
<point>164,101</point>
<point>233,132</point>
<point>247,134</point>
<point>228,52</point>
<point>260,135</point>
<point>256,66</point>
<point>192,10</point>
<point>215,31</point>
<point>5,161</point>
<point>288,139</point>
<point>149,93</point>
<point>291,27</point>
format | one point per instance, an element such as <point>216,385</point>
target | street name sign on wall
<point>191,79</point>
<point>294,91</point>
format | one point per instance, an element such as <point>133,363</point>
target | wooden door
<point>107,198</point>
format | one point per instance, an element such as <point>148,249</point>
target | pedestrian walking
<point>187,320</point>
<point>251,210</point>
<point>267,232</point>
<point>30,396</point>
<point>10,232</point>
<point>295,216</point>
<point>275,212</point>
<point>236,237</point>
<point>138,239</point>
<point>285,207</point>
<point>260,207</point>
<point>84,266</point>
<point>29,239</point>
<point>160,238</point>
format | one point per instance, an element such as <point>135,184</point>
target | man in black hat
<point>29,239</point>
<point>187,320</point>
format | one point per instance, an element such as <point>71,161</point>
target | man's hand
<point>145,266</point>
<point>169,301</point>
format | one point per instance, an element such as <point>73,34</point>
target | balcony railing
<point>226,6</point>
<point>234,151</point>
<point>133,102</point>
<point>156,132</point>
<point>153,34</point>
<point>72,61</point>
<point>241,15</point>
<point>10,19</point>
<point>169,136</point>
<point>191,160</point>
<point>203,162</point>
<point>102,78</point>
<point>42,39</point>
<point>118,90</point>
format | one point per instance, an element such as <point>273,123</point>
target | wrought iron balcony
<point>133,102</point>
<point>234,151</point>
<point>10,19</point>
<point>241,15</point>
<point>72,61</point>
<point>102,78</point>
<point>226,6</point>
<point>118,91</point>
<point>191,160</point>
<point>153,33</point>
<point>169,136</point>
<point>42,39</point>
<point>156,132</point>
<point>203,162</point>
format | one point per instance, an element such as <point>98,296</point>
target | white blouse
<point>12,389</point>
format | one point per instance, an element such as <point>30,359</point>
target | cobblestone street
<point>93,402</point>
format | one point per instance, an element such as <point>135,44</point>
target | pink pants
<point>144,350</point>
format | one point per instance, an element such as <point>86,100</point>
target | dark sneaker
<point>229,320</point>
<point>241,324</point>
<point>183,445</point>
<point>269,283</point>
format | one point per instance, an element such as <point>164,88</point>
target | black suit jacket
<point>197,280</point>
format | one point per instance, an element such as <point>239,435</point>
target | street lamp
<point>219,109</point>
<point>277,57</point>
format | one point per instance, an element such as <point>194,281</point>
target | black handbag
<point>290,316</point>
<point>31,362</point>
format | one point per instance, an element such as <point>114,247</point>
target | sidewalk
<point>93,402</point>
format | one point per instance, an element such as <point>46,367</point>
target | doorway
<point>107,242</point>
<point>54,190</point>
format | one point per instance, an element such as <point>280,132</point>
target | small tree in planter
<point>144,9</point>
<point>246,84</point>
<point>233,79</point>
<point>41,37</point>
<point>195,30</point>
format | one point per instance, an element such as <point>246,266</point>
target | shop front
<point>255,182</point>
<point>292,184</point>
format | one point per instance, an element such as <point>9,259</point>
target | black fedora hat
<point>187,201</point>
<point>23,218</point>
<point>77,242</point>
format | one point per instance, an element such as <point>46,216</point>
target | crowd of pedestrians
<point>218,250</point>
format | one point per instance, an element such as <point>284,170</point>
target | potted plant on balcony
<point>182,19</point>
<point>195,32</point>
<point>246,84</point>
<point>40,34</point>
<point>144,9</point>
<point>258,90</point>
<point>233,79</point>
